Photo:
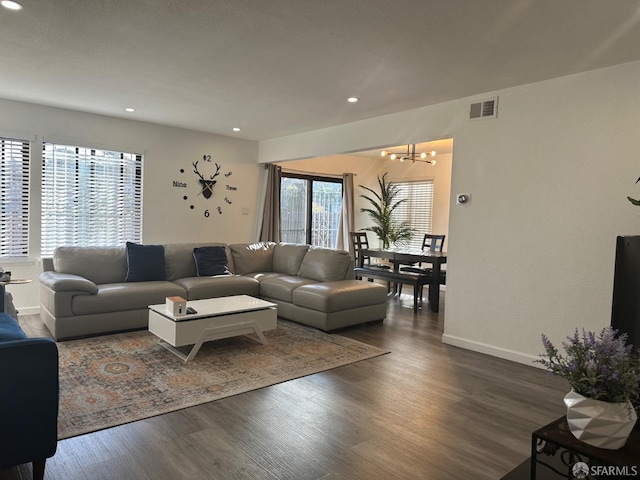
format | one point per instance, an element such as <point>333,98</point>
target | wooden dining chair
<point>359,242</point>
<point>432,242</point>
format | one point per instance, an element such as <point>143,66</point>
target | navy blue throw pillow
<point>144,262</point>
<point>211,261</point>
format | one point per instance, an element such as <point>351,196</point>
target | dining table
<point>409,256</point>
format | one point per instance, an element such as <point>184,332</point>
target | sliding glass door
<point>310,209</point>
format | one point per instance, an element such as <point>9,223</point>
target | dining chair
<point>359,242</point>
<point>432,242</point>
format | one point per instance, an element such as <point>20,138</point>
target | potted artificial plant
<point>604,374</point>
<point>636,202</point>
<point>383,203</point>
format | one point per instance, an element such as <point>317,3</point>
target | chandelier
<point>411,155</point>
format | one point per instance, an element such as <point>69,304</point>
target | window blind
<point>90,197</point>
<point>14,198</point>
<point>416,210</point>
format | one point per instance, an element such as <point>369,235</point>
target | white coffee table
<point>216,318</point>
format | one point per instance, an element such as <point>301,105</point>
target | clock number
<point>206,213</point>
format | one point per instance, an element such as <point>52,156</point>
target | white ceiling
<point>279,67</point>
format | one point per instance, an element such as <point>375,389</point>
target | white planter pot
<point>600,424</point>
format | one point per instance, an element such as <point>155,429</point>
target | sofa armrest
<point>66,282</point>
<point>28,400</point>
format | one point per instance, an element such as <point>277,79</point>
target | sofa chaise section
<point>311,285</point>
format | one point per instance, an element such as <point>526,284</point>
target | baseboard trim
<point>492,350</point>
<point>28,311</point>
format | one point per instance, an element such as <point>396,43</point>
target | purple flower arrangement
<point>603,367</point>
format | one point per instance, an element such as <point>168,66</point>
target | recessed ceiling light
<point>236,129</point>
<point>129,109</point>
<point>352,99</point>
<point>11,5</point>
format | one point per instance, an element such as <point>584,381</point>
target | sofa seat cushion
<point>9,329</point>
<point>339,295</point>
<point>260,276</point>
<point>117,297</point>
<point>219,286</point>
<point>281,287</point>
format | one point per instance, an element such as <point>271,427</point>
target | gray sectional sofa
<point>83,290</point>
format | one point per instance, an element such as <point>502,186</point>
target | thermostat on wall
<point>463,198</point>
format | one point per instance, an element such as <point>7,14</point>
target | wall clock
<point>208,192</point>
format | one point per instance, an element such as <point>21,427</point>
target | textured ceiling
<point>279,67</point>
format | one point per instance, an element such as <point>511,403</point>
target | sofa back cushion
<point>287,257</point>
<point>326,264</point>
<point>99,264</point>
<point>179,261</point>
<point>253,257</point>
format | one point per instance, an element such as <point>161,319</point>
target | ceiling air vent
<point>486,109</point>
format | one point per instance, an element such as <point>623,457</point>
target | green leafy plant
<point>603,367</point>
<point>633,200</point>
<point>383,203</point>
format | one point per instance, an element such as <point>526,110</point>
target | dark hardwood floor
<point>424,411</point>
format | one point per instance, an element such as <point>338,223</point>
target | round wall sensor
<point>462,198</point>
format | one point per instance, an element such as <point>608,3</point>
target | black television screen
<point>625,315</point>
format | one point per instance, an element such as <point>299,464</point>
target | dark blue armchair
<point>28,397</point>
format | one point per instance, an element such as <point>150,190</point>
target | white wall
<point>167,217</point>
<point>534,250</point>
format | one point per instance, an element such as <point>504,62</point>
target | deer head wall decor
<point>207,185</point>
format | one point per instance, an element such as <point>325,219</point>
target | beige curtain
<point>347,214</point>
<point>270,231</point>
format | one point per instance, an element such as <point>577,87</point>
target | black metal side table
<point>553,447</point>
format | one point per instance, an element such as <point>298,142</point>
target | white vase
<point>597,423</point>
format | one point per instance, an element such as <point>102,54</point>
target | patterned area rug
<point>115,379</point>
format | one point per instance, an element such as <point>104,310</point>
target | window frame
<point>310,178</point>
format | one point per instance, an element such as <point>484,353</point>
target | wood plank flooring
<point>425,411</point>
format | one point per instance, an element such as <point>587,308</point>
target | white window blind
<point>14,193</point>
<point>90,197</point>
<point>416,210</point>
